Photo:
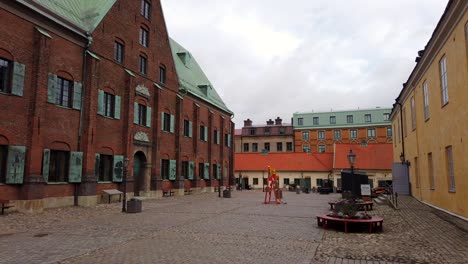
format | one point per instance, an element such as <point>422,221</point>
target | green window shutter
<point>117,174</point>
<point>77,87</point>
<point>18,79</point>
<point>162,121</point>
<point>171,129</point>
<point>51,88</point>
<point>172,169</point>
<point>117,107</point>
<point>206,174</point>
<point>229,140</point>
<point>190,128</point>
<point>46,164</point>
<point>76,167</point>
<point>15,164</point>
<point>97,164</point>
<point>148,116</point>
<point>218,171</point>
<point>206,134</point>
<point>135,113</point>
<point>191,169</point>
<point>100,102</point>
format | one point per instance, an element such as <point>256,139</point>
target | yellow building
<point>430,116</point>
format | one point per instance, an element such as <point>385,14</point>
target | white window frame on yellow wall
<point>426,100</point>
<point>413,114</point>
<point>444,81</point>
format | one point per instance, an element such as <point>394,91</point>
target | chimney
<point>270,122</point>
<point>278,121</point>
<point>247,122</point>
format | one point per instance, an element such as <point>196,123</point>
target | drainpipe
<point>401,130</point>
<point>80,130</point>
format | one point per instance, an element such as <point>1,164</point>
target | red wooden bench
<point>5,205</point>
<point>167,191</point>
<point>374,224</point>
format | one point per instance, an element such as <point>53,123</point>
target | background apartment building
<point>430,117</point>
<point>318,132</point>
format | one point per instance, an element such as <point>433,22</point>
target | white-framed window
<point>332,119</point>
<point>444,81</point>
<point>371,133</point>
<point>450,169</point>
<point>349,119</point>
<point>144,37</point>
<point>146,9</point>
<point>353,133</point>
<point>337,134</point>
<point>305,135</point>
<point>315,120</point>
<point>119,52</point>
<point>413,114</point>
<point>367,118</point>
<point>300,121</point>
<point>321,148</point>
<point>306,148</point>
<point>426,100</point>
<point>386,116</point>
<point>143,65</point>
<point>321,134</point>
<point>203,133</point>
<point>389,132</point>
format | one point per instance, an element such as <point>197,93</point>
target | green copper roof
<point>192,79</point>
<point>86,14</point>
<point>378,116</point>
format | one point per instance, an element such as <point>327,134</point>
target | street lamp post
<point>124,182</point>
<point>351,160</point>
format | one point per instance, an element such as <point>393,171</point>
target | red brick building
<point>84,85</point>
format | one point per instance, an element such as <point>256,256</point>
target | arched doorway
<point>139,161</point>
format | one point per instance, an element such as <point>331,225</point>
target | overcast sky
<point>269,58</point>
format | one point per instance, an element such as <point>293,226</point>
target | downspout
<point>80,130</point>
<point>401,131</point>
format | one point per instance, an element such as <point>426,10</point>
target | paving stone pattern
<point>207,229</point>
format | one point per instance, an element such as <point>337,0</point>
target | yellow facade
<point>433,126</point>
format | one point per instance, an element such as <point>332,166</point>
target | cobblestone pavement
<point>207,229</point>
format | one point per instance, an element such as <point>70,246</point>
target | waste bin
<point>298,190</point>
<point>227,194</point>
<point>134,206</point>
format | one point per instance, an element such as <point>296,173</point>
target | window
<point>279,146</point>
<point>254,147</point>
<point>185,169</point>
<point>337,134</point>
<point>109,103</point>
<point>371,133</point>
<point>246,147</point>
<point>252,131</point>
<point>165,169</point>
<point>216,136</point>
<point>306,148</point>
<point>332,119</point>
<point>367,118</point>
<point>450,170</point>
<point>145,9</point>
<point>315,120</point>
<point>203,133</point>
<point>144,37</point>
<point>286,181</point>
<point>321,134</point>
<point>227,140</point>
<point>305,135</point>
<point>58,166</point>
<point>5,75</point>
<point>106,166</point>
<point>430,164</point>
<point>64,92</point>
<point>255,181</point>
<point>162,74</point>
<point>282,130</point>
<point>353,133</point>
<point>300,121</point>
<point>3,162</point>
<point>143,65</point>
<point>349,119</point>
<point>319,182</point>
<point>413,114</point>
<point>289,146</point>
<point>443,81</point>
<point>215,171</point>
<point>187,128</point>
<point>267,146</point>
<point>167,124</point>
<point>321,148</point>
<point>141,115</point>
<point>119,52</point>
<point>386,116</point>
<point>389,132</point>
<point>426,100</point>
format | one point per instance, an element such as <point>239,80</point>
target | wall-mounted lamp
<point>403,160</point>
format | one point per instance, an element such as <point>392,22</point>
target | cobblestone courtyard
<point>207,229</point>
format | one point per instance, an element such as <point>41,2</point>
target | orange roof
<point>283,161</point>
<point>372,156</point>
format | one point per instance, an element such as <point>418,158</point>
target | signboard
<point>365,190</point>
